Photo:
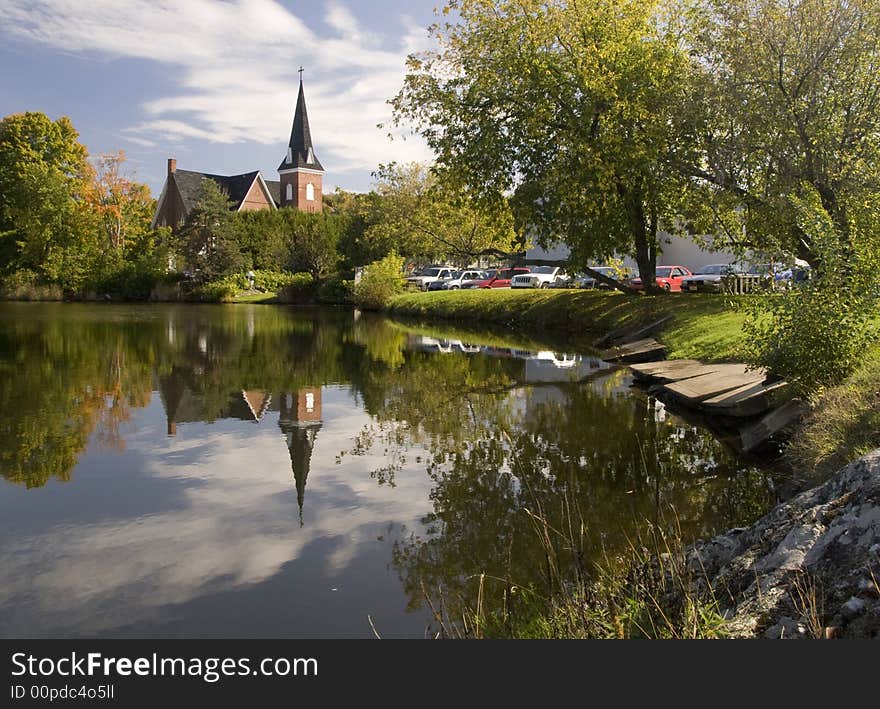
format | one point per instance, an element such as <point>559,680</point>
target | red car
<point>501,278</point>
<point>668,278</point>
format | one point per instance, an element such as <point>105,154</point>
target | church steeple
<point>301,172</point>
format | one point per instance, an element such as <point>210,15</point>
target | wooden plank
<point>672,370</point>
<point>747,400</point>
<point>624,335</point>
<point>726,378</point>
<point>773,423</point>
<point>638,351</point>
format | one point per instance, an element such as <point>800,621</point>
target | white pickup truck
<point>539,277</point>
<point>429,275</point>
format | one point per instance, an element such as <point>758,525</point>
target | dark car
<point>710,278</point>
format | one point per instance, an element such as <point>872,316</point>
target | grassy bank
<point>843,425</point>
<point>703,327</point>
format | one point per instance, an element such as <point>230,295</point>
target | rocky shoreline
<point>810,568</point>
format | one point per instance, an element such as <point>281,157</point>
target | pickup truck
<point>539,277</point>
<point>429,275</point>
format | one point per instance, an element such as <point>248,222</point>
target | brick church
<point>299,186</point>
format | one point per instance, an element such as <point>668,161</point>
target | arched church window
<point>310,192</point>
<point>289,192</point>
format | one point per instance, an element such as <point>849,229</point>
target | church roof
<point>189,184</point>
<point>274,190</point>
<point>301,153</point>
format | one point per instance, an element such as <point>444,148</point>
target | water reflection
<point>188,437</point>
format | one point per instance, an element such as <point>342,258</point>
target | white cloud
<point>234,524</point>
<point>231,70</point>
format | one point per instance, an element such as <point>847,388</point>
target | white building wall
<point>676,251</point>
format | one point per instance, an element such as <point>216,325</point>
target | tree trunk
<point>612,283</point>
<point>644,231</point>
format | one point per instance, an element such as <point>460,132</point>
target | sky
<point>213,83</point>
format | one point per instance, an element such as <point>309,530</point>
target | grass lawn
<point>705,327</point>
<point>255,298</point>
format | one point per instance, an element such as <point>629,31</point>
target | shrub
<point>26,285</point>
<point>290,287</point>
<point>221,291</point>
<point>299,288</point>
<point>815,334</point>
<point>381,281</point>
<point>130,281</point>
<point>336,291</point>
<point>273,281</point>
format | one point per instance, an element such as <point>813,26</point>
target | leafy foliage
<point>44,225</point>
<point>816,333</point>
<point>288,286</point>
<point>336,291</point>
<point>423,217</point>
<point>572,107</point>
<point>784,99</point>
<point>209,235</point>
<point>381,281</point>
<point>289,239</point>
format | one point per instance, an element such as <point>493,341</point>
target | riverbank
<point>808,569</point>
<point>703,327</point>
<point>844,421</point>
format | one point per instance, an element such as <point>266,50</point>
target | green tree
<point>572,107</point>
<point>287,239</point>
<point>209,239</point>
<point>312,241</point>
<point>354,210</point>
<point>785,103</point>
<point>424,217</point>
<point>45,226</point>
<point>261,235</point>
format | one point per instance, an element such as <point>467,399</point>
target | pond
<point>263,471</point>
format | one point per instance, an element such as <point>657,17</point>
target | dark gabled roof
<point>189,184</point>
<point>301,150</point>
<point>274,190</point>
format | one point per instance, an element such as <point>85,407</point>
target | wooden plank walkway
<point>731,390</point>
<point>747,400</point>
<point>724,378</point>
<point>720,389</point>
<point>671,370</point>
<point>638,351</point>
<point>774,422</point>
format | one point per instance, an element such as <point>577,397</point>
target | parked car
<point>539,277</point>
<point>780,275</point>
<point>489,275</point>
<point>457,279</point>
<point>428,275</point>
<point>792,275</point>
<point>668,278</point>
<point>709,278</point>
<point>501,277</point>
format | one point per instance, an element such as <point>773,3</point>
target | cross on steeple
<point>300,74</point>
